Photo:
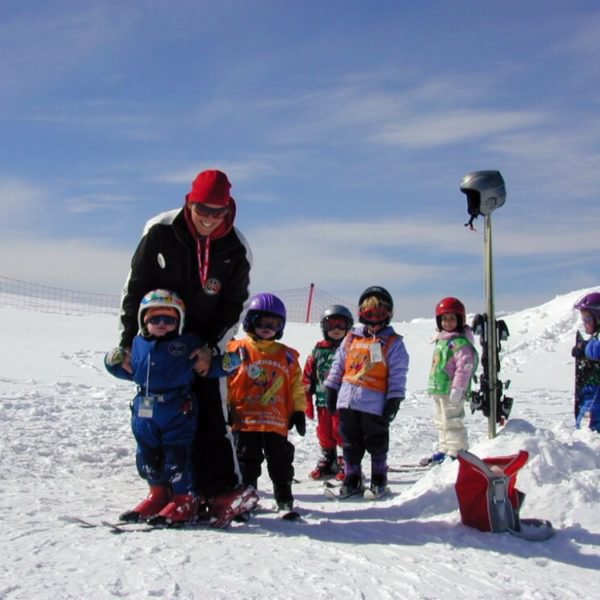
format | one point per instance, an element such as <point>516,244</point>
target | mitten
<point>309,411</point>
<point>457,396</point>
<point>578,350</point>
<point>114,357</point>
<point>390,410</point>
<point>298,419</point>
<point>331,396</point>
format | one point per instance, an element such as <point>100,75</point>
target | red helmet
<point>450,305</point>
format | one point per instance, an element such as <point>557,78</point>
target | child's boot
<point>353,481</point>
<point>379,478</point>
<point>182,508</point>
<point>283,496</point>
<point>150,506</point>
<point>326,465</point>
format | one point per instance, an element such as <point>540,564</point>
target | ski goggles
<point>588,319</point>
<point>375,316</point>
<point>163,319</point>
<point>335,323</point>
<point>206,211</point>
<point>272,323</point>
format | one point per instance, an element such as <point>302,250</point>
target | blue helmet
<point>264,304</point>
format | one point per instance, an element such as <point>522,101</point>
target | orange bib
<point>260,392</point>
<point>365,362</point>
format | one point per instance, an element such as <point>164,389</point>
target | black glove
<point>390,410</point>
<point>578,350</point>
<point>298,419</point>
<point>331,399</point>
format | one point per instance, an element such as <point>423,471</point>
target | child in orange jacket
<point>266,398</point>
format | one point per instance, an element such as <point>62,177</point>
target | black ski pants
<point>363,432</point>
<point>214,451</point>
<point>252,449</point>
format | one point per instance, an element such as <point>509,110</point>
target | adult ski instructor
<point>198,253</point>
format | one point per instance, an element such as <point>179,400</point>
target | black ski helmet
<point>336,310</point>
<point>378,292</point>
<point>383,295</point>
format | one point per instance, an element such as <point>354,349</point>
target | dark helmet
<point>386,299</point>
<point>379,292</point>
<point>335,310</point>
<point>450,305</point>
<point>264,304</point>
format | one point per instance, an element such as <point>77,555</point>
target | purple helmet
<point>264,304</point>
<point>591,303</point>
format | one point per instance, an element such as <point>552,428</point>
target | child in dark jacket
<point>336,321</point>
<point>163,363</point>
<point>366,384</point>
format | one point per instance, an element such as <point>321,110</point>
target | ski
<point>132,526</point>
<point>409,468</point>
<point>127,527</point>
<point>117,527</point>
<point>335,494</point>
<point>370,495</point>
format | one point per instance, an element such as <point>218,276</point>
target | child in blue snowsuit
<point>163,363</point>
<point>588,352</point>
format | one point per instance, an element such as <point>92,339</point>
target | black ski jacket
<point>166,258</point>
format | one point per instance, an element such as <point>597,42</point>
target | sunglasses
<point>267,322</point>
<point>588,319</point>
<point>206,211</point>
<point>164,319</point>
<point>374,316</point>
<point>335,323</point>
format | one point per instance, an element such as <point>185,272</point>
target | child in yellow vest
<point>266,398</point>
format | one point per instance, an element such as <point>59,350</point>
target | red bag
<point>487,497</point>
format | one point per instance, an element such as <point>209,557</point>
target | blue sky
<point>345,127</point>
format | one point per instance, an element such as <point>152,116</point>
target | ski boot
<point>326,467</point>
<point>183,508</point>
<point>436,458</point>
<point>378,486</point>
<point>283,496</point>
<point>150,506</point>
<point>353,482</point>
<point>226,506</point>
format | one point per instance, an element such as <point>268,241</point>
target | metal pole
<point>311,292</point>
<point>491,326</point>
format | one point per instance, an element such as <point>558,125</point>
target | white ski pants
<point>448,415</point>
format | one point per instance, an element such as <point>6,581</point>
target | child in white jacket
<point>454,363</point>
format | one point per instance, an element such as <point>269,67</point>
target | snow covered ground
<point>67,452</point>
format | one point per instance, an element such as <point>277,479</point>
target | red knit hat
<point>210,187</point>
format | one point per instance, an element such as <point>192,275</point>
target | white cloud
<point>72,264</point>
